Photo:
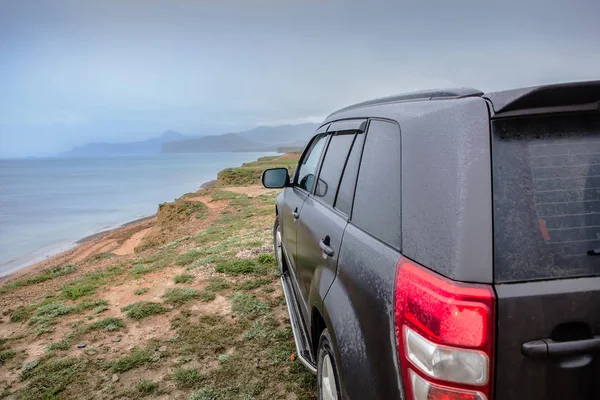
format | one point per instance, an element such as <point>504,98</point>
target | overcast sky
<point>77,71</point>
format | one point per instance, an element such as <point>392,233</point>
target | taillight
<point>444,334</point>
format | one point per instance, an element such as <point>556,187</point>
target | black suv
<point>446,245</point>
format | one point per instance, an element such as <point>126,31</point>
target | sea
<point>47,205</point>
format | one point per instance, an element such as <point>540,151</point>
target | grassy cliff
<point>186,306</point>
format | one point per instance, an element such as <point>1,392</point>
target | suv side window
<point>333,164</point>
<point>377,200</point>
<point>308,166</point>
<point>346,191</point>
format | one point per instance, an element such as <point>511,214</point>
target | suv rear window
<point>377,198</point>
<point>546,191</point>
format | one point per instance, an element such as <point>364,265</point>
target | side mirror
<point>275,178</point>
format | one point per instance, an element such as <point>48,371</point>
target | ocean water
<point>46,205</point>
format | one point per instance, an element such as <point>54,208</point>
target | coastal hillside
<point>183,305</point>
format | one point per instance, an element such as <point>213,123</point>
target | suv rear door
<point>320,226</point>
<point>546,199</point>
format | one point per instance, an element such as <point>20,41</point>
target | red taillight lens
<point>445,335</point>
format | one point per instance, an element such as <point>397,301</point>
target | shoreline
<point>93,236</point>
<point>61,250</point>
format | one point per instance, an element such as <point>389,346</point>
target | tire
<point>277,246</point>
<point>328,381</point>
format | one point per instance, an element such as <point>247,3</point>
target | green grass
<point>46,314</point>
<point>22,314</point>
<point>249,305</point>
<point>238,176</point>
<point>261,329</point>
<point>238,267</point>
<point>6,355</point>
<point>75,291</point>
<point>143,309</point>
<point>240,202</point>
<point>90,304</point>
<point>217,195</point>
<point>62,344</point>
<point>109,324</point>
<point>211,235</point>
<point>87,284</point>
<point>253,284</point>
<point>146,387</point>
<point>250,173</point>
<point>135,359</point>
<point>173,244</point>
<point>48,380</point>
<point>216,285</point>
<point>268,259</point>
<point>208,296</point>
<point>187,378</point>
<point>180,295</point>
<point>189,257</point>
<point>181,210</point>
<point>39,278</point>
<point>151,263</point>
<point>183,278</point>
<point>141,291</point>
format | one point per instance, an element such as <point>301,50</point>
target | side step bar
<point>301,337</point>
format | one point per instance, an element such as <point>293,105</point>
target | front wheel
<point>327,375</point>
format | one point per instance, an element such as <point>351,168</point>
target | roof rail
<point>421,95</point>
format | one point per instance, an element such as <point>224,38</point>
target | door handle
<point>296,214</point>
<point>550,348</point>
<point>324,244</point>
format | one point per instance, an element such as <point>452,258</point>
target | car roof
<point>569,94</point>
<point>455,93</point>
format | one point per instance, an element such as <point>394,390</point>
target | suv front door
<point>320,226</point>
<point>295,196</point>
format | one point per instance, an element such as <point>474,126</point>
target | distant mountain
<point>228,142</point>
<point>149,146</point>
<point>274,135</point>
<point>262,138</point>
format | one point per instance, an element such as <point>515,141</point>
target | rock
<point>115,378</point>
<point>106,378</point>
<point>162,349</point>
<point>170,307</point>
<point>116,339</point>
<point>81,345</point>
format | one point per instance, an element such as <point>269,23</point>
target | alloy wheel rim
<point>328,384</point>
